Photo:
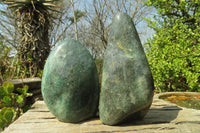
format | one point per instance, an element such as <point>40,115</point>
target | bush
<point>4,52</point>
<point>10,67</point>
<point>12,105</point>
<point>174,58</point>
<point>174,51</point>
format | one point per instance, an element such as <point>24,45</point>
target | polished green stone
<point>127,83</point>
<point>70,82</point>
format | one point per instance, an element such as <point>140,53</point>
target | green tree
<point>34,20</point>
<point>174,50</point>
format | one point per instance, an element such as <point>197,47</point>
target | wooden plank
<point>162,117</point>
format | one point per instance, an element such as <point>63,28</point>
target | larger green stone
<point>127,83</point>
<point>70,82</point>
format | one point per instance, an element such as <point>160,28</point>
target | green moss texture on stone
<point>70,82</point>
<point>127,82</point>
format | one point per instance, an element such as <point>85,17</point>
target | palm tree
<point>34,20</point>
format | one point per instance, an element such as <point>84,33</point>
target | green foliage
<point>4,52</point>
<point>174,51</point>
<point>6,117</point>
<point>12,104</point>
<point>186,11</point>
<point>10,67</point>
<point>39,74</point>
<point>99,65</point>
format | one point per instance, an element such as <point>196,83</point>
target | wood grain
<point>163,117</point>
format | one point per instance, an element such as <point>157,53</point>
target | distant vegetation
<point>31,28</point>
<point>174,50</point>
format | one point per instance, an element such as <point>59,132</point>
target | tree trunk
<point>34,47</point>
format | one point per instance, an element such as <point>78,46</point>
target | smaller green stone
<point>70,82</point>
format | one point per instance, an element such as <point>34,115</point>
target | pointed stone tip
<point>122,16</point>
<point>118,16</point>
<point>122,27</point>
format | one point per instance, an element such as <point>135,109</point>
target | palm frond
<point>50,4</point>
<point>14,6</point>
